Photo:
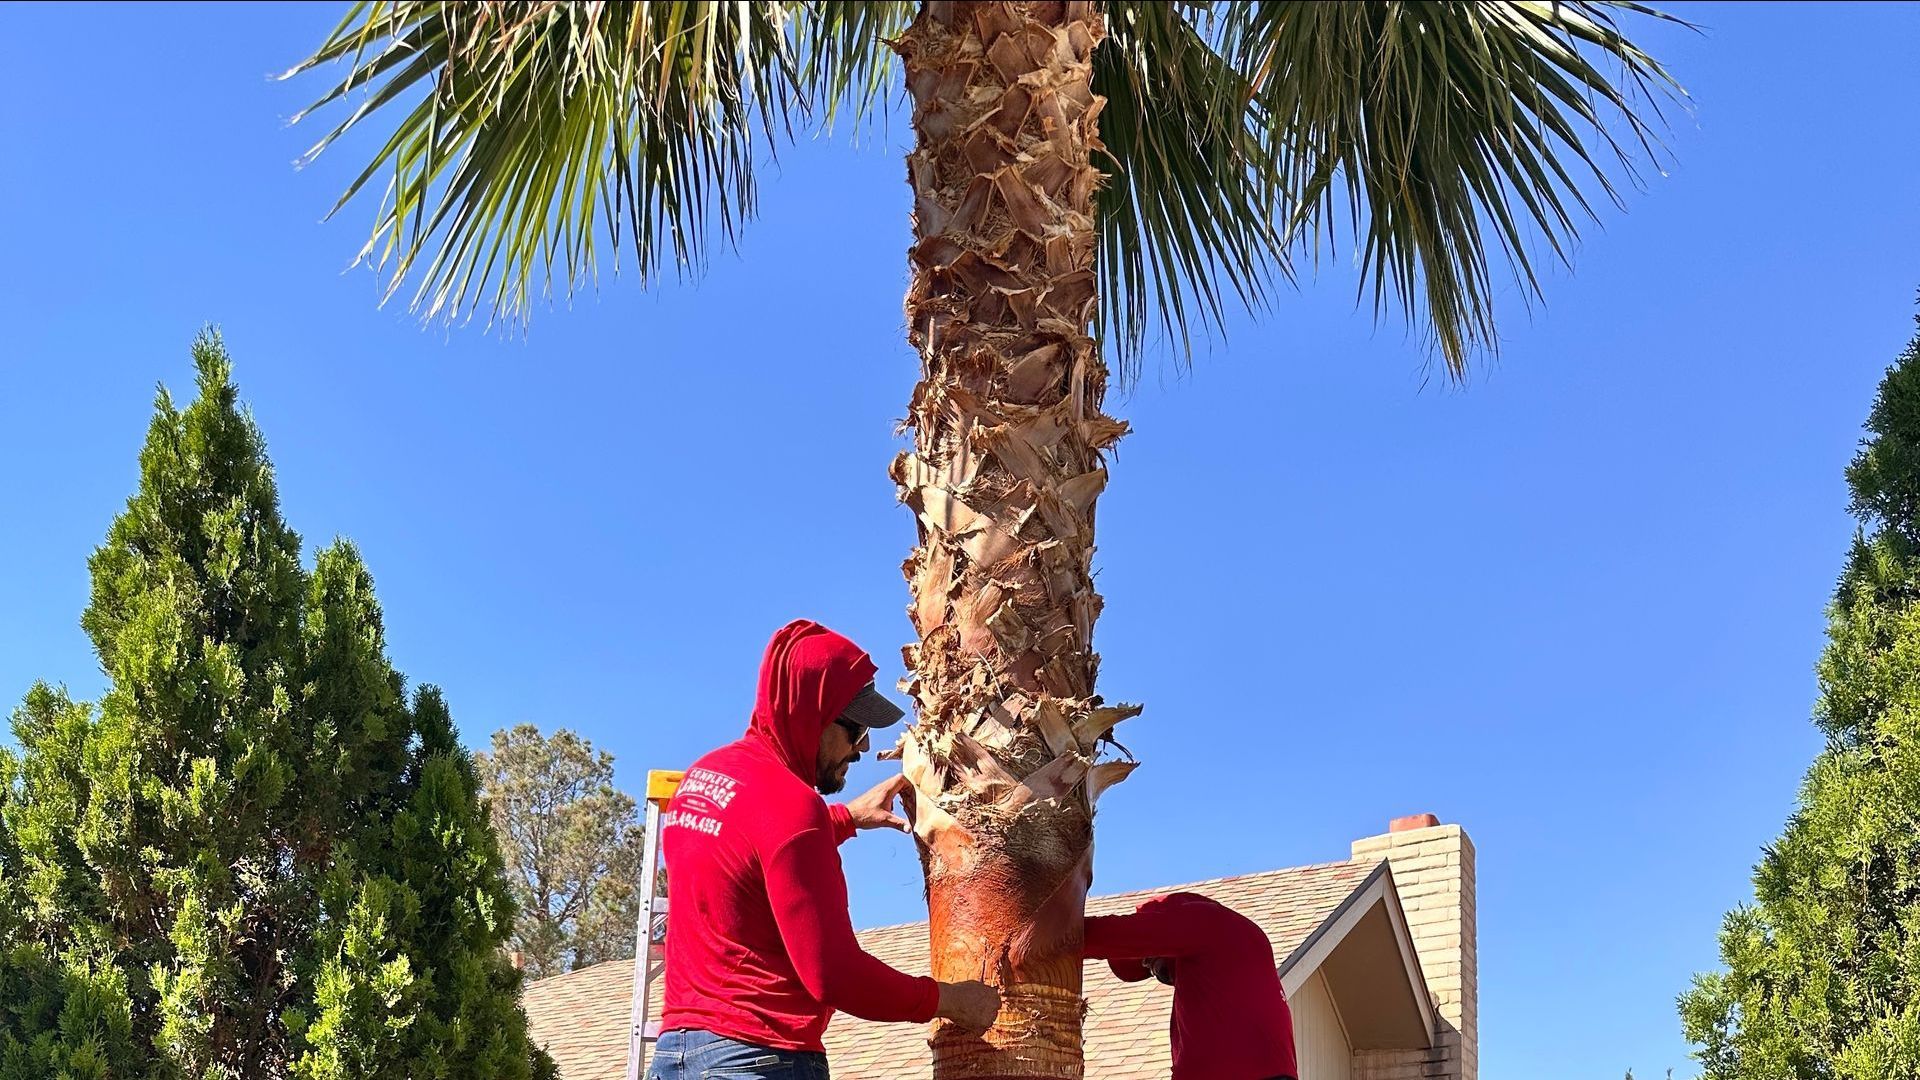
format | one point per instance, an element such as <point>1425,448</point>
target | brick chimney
<point>1434,874</point>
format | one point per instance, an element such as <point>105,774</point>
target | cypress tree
<point>247,861</point>
<point>65,1007</point>
<point>1822,969</point>
<point>410,982</point>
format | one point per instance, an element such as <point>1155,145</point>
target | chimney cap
<point>1412,822</point>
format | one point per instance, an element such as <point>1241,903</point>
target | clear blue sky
<point>1574,606</point>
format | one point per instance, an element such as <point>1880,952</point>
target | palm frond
<point>532,131</point>
<point>536,128</point>
<point>1184,223</point>
<point>1450,128</point>
<point>845,58</point>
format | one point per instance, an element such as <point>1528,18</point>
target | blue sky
<point>1573,606</point>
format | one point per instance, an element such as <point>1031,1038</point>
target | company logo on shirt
<point>701,790</point>
<point>716,788</point>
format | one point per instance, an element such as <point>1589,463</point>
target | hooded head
<point>807,678</point>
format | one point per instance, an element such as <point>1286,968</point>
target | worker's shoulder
<point>764,787</point>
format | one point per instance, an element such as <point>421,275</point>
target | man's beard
<point>830,779</point>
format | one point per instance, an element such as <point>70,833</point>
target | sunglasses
<point>855,732</point>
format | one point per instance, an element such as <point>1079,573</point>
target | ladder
<point>649,944</point>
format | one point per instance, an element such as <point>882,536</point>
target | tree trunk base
<point>1026,940</point>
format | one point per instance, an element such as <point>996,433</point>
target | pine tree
<point>255,858</point>
<point>572,846</point>
<point>1822,978</point>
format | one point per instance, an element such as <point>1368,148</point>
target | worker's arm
<point>841,820</point>
<point>808,894</point>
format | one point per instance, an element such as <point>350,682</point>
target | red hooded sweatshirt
<point>1230,1015</point>
<point>760,947</point>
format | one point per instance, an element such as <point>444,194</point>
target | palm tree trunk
<point>1005,470</point>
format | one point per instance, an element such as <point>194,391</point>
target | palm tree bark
<point>1005,471</point>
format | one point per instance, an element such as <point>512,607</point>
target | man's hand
<point>874,810</point>
<point>972,1006</point>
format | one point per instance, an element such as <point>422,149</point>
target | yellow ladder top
<point>662,783</point>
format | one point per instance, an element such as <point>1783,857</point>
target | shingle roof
<point>581,1017</point>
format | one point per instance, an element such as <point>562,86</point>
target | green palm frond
<point>846,61</point>
<point>536,125</point>
<point>1183,218</point>
<point>1452,134</point>
<point>537,129</point>
<point>1441,123</point>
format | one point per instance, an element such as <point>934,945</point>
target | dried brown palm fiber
<point>1004,477</point>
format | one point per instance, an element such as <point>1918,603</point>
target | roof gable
<point>1361,941</point>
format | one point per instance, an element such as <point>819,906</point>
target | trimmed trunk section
<point>1005,471</point>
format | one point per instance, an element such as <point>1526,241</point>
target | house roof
<point>1307,911</point>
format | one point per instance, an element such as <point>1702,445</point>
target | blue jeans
<point>702,1055</point>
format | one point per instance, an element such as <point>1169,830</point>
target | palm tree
<point>1083,173</point>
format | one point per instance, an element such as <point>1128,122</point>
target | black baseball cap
<point>870,709</point>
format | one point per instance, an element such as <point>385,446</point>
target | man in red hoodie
<point>1230,1014</point>
<point>760,947</point>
